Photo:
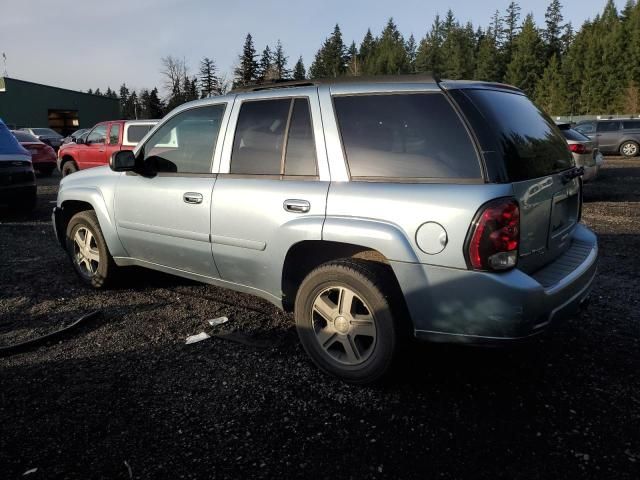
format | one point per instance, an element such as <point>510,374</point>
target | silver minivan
<point>375,210</point>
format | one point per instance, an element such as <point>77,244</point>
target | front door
<point>272,188</point>
<point>93,150</point>
<point>163,216</point>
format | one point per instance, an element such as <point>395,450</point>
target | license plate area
<point>564,215</point>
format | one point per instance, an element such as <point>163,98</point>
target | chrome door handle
<point>296,206</point>
<point>192,197</point>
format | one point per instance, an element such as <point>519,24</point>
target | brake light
<point>579,148</point>
<point>495,236</point>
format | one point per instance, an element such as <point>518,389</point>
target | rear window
<point>532,145</point>
<point>405,136</point>
<point>25,137</point>
<point>631,124</point>
<point>571,134</point>
<point>136,132</point>
<point>44,131</point>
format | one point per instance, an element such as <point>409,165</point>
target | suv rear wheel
<point>345,322</point>
<point>629,149</point>
<point>88,251</point>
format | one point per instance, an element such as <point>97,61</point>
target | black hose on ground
<point>27,344</point>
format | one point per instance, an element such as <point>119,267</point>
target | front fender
<point>386,238</point>
<point>94,197</point>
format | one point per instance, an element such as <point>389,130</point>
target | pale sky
<point>89,43</point>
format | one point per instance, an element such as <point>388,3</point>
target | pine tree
<point>412,50</point>
<point>429,57</point>
<point>90,92</point>
<point>97,92</point>
<point>131,107</point>
<point>551,91</point>
<point>487,65</point>
<point>527,63</point>
<point>124,97</point>
<point>280,62</point>
<point>209,80</point>
<point>510,31</point>
<point>458,49</point>
<point>354,65</point>
<point>265,65</point>
<point>330,61</point>
<point>299,72</point>
<point>390,54</point>
<point>155,108</point>
<point>552,34</point>
<point>367,47</point>
<point>247,70</point>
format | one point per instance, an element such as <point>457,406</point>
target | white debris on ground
<point>197,338</point>
<point>217,321</point>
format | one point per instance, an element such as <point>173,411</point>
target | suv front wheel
<point>88,250</point>
<point>629,149</point>
<point>345,322</point>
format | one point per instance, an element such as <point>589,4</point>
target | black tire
<point>95,273</point>
<point>68,168</point>
<point>375,290</point>
<point>629,149</point>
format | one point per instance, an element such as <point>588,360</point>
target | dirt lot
<point>123,397</point>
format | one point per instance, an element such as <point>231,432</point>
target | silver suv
<point>375,210</point>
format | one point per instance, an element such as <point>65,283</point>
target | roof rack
<point>417,78</point>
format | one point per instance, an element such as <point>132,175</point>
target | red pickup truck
<point>94,148</point>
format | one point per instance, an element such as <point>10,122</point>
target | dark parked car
<point>613,136</point>
<point>74,136</point>
<point>43,156</point>
<point>17,180</point>
<point>45,135</point>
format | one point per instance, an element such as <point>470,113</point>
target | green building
<point>28,104</point>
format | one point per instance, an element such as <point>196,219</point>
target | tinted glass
<point>259,139</point>
<point>571,134</point>
<point>135,133</point>
<point>608,126</point>
<point>25,137</point>
<point>631,124</point>
<point>532,146</point>
<point>114,134</point>
<point>45,131</point>
<point>300,158</point>
<point>98,134</point>
<point>186,142</point>
<point>405,136</point>
<point>586,127</point>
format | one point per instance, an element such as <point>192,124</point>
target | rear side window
<point>631,124</point>
<point>274,137</point>
<point>136,132</point>
<point>114,134</point>
<point>405,136</point>
<point>586,128</point>
<point>608,126</point>
<point>531,144</point>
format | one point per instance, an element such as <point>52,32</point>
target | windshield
<point>45,131</point>
<point>25,137</point>
<point>571,134</point>
<point>531,144</point>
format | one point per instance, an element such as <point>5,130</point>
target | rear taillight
<point>495,236</point>
<point>579,148</point>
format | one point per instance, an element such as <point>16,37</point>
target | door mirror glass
<point>122,161</point>
<point>79,140</point>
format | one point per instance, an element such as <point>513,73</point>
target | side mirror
<point>79,140</point>
<point>122,161</point>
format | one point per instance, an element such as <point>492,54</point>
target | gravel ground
<point>124,397</point>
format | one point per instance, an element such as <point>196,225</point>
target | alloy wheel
<point>344,325</point>
<point>85,252</point>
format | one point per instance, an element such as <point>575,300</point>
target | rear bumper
<point>465,306</point>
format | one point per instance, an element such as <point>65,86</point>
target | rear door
<point>536,160</point>
<point>608,135</point>
<point>272,188</point>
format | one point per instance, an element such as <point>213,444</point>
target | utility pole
<point>4,59</point>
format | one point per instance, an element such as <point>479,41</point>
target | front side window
<point>405,136</point>
<point>114,134</point>
<point>608,126</point>
<point>185,144</point>
<point>98,134</point>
